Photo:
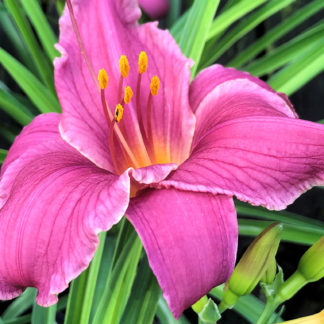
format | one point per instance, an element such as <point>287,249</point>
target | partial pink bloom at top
<point>172,163</point>
<point>155,8</point>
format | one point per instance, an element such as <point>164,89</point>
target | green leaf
<point>291,233</point>
<point>44,67</point>
<point>44,315</point>
<point>232,14</point>
<point>20,305</point>
<point>270,290</point>
<point>165,316</point>
<point>43,99</point>
<point>210,313</point>
<point>300,71</point>
<point>275,33</point>
<point>92,281</point>
<point>42,27</point>
<point>280,216</point>
<point>10,29</point>
<point>248,306</point>
<point>14,108</point>
<point>195,31</point>
<point>286,52</point>
<point>142,303</point>
<point>3,154</point>
<point>76,298</point>
<point>214,51</point>
<point>119,284</point>
<point>174,12</point>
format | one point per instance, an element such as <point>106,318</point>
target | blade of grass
<point>212,52</point>
<point>165,316</point>
<point>44,315</point>
<point>43,99</point>
<point>14,108</point>
<point>118,287</point>
<point>277,32</point>
<point>3,154</point>
<point>300,71</point>
<point>91,281</point>
<point>76,298</point>
<point>291,233</point>
<point>286,52</point>
<point>280,216</point>
<point>195,31</point>
<point>10,29</point>
<point>21,304</point>
<point>44,68</point>
<point>232,14</point>
<point>142,303</point>
<point>174,11</point>
<point>42,27</point>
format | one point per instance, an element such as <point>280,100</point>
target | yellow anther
<point>124,66</point>
<point>155,84</point>
<point>103,79</point>
<point>142,62</point>
<point>128,94</point>
<point>119,113</point>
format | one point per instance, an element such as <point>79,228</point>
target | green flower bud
<point>270,274</point>
<point>311,264</point>
<point>259,256</point>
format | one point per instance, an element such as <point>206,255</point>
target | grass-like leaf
<point>232,14</point>
<point>276,33</point>
<point>291,233</point>
<point>300,71</point>
<point>41,96</point>
<point>215,50</point>
<point>42,27</point>
<point>14,108</point>
<point>286,52</point>
<point>44,315</point>
<point>195,31</point>
<point>44,67</point>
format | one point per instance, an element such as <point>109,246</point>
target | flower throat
<point>123,100</point>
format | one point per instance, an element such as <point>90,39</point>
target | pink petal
<point>237,98</point>
<point>209,79</point>
<point>155,8</point>
<point>55,204</point>
<point>190,240</point>
<point>266,161</point>
<point>107,35</point>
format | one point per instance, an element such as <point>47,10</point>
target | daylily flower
<point>155,8</point>
<point>312,319</point>
<point>171,164</point>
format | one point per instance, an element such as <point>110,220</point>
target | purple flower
<point>172,164</point>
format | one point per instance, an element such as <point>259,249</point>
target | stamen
<point>142,66</point>
<point>142,62</point>
<point>124,66</point>
<point>124,71</point>
<point>103,79</point>
<point>128,95</point>
<point>154,87</point>
<point>119,111</point>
